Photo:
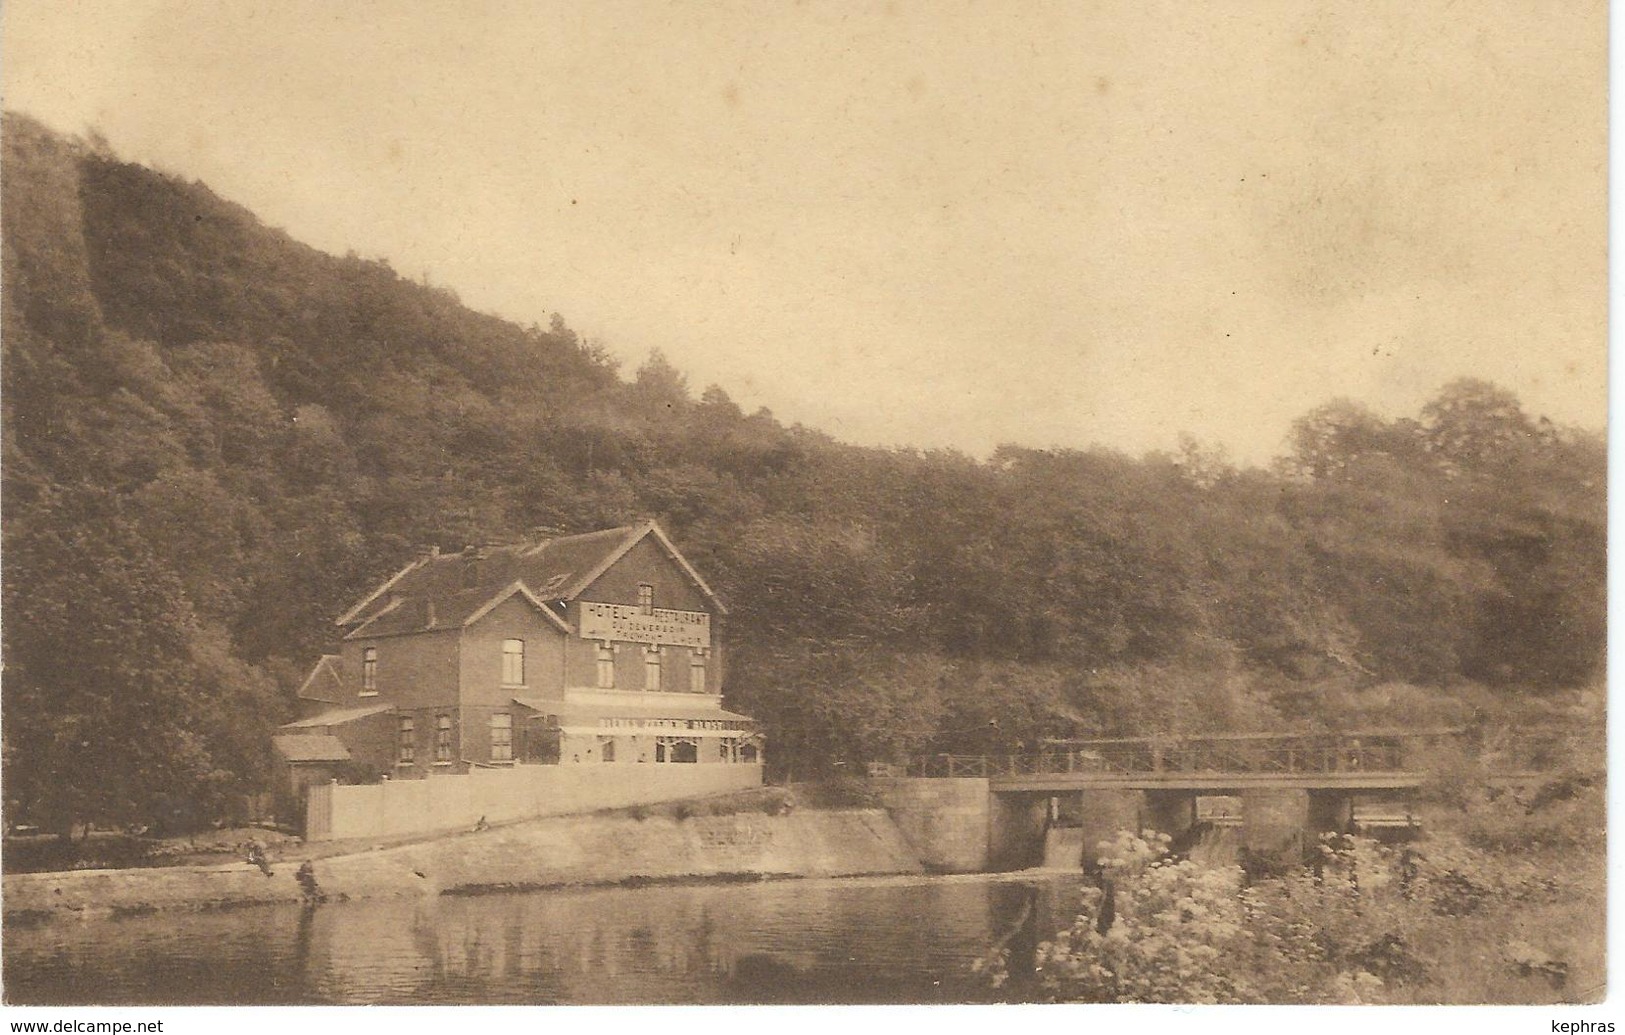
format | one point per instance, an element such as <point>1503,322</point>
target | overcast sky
<point>926,224</point>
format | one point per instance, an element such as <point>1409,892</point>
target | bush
<point>840,792</point>
<point>774,801</point>
<point>1160,930</point>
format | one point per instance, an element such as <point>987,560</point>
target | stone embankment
<point>581,850</point>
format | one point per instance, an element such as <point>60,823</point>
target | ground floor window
<point>502,737</point>
<point>406,749</point>
<point>606,749</point>
<point>442,738</point>
<point>748,752</point>
<point>677,749</point>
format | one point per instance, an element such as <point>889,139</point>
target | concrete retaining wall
<point>945,820</point>
<point>570,850</point>
<point>396,807</point>
<point>1016,831</point>
<point>1103,814</point>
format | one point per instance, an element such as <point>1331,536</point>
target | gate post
<point>319,811</point>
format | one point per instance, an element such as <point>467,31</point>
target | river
<point>853,940</point>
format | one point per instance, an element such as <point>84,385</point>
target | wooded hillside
<point>216,438</point>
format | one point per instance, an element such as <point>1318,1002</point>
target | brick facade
<point>480,660</point>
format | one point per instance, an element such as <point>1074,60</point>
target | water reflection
<point>882,940</point>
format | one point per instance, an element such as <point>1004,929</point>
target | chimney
<point>471,558</point>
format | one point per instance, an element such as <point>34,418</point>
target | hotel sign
<point>670,724</point>
<point>628,623</point>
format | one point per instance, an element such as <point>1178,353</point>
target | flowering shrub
<point>1164,930</point>
<point>1358,924</point>
<point>1155,931</point>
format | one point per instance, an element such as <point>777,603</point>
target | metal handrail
<point>1221,754</point>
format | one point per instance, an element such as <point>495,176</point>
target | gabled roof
<point>324,682</point>
<point>453,590</point>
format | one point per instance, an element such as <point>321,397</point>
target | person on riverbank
<point>257,857</point>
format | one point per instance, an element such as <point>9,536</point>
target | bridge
<point>1369,760</point>
<point>1291,786</point>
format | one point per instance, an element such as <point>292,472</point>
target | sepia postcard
<point>650,503</point>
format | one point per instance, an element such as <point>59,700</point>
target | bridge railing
<point>1188,756</point>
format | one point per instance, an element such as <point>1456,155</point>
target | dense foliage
<point>215,438</point>
<point>1360,924</point>
<point>1500,900</point>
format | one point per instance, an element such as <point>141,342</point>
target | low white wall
<point>503,795</point>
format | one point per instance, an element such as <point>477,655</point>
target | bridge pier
<point>1169,812</point>
<point>1330,812</point>
<point>1016,825</point>
<point>1102,813</point>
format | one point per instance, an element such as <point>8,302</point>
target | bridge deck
<point>1212,782</point>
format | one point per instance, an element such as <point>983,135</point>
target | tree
<point>659,391</point>
<point>1472,424</point>
<point>106,708</point>
<point>1327,440</point>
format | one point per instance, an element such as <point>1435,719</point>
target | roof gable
<point>521,590</point>
<point>449,591</point>
<point>324,682</point>
<point>648,530</point>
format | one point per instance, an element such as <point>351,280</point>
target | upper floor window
<point>442,738</point>
<point>369,670</point>
<point>606,666</point>
<point>502,737</point>
<point>513,662</point>
<point>651,668</point>
<point>646,599</point>
<point>406,749</point>
<point>696,674</point>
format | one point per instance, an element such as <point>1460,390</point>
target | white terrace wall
<point>394,807</point>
